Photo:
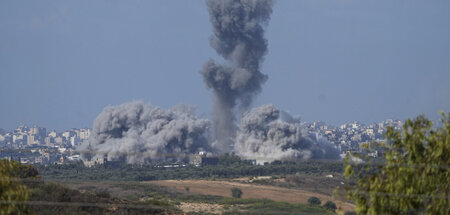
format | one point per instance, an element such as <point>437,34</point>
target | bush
<point>103,194</point>
<point>414,161</point>
<point>11,189</point>
<point>236,192</point>
<point>329,205</point>
<point>350,213</point>
<point>314,201</point>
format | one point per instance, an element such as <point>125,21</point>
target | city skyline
<point>302,122</point>
<point>62,62</point>
<point>38,145</point>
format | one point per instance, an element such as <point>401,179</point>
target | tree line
<point>229,166</point>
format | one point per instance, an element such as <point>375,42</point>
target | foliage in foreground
<point>412,176</point>
<point>62,200</point>
<point>13,192</point>
<point>22,191</point>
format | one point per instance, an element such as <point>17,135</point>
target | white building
<point>30,139</point>
<point>53,134</point>
<point>84,134</point>
<point>38,132</point>
<point>369,132</point>
<point>74,140</point>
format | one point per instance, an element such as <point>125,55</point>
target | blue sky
<point>338,61</point>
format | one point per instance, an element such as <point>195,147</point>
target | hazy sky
<point>338,61</point>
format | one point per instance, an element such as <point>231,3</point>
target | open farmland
<point>254,191</point>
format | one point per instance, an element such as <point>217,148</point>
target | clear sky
<point>338,61</point>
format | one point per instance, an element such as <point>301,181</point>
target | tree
<point>412,175</point>
<point>329,205</point>
<point>236,192</point>
<point>12,192</point>
<point>314,200</point>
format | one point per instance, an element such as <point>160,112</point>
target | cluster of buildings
<point>350,136</point>
<point>34,145</point>
<point>199,159</point>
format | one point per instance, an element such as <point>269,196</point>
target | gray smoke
<point>239,38</point>
<point>268,134</point>
<point>140,132</point>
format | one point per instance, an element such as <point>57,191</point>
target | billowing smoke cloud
<point>239,38</point>
<point>140,132</point>
<point>268,134</point>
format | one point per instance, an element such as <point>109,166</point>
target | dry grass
<point>222,188</point>
<point>200,207</point>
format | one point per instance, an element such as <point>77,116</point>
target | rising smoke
<point>268,134</point>
<point>239,38</point>
<point>140,132</point>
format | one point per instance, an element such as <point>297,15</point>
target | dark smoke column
<point>239,38</point>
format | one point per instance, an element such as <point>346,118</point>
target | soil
<point>222,188</point>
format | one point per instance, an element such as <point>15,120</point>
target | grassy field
<point>279,187</point>
<point>250,191</point>
<point>214,196</point>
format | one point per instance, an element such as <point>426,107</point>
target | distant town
<point>350,136</point>
<point>35,145</point>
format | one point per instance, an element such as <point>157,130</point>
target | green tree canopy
<point>329,205</point>
<point>314,201</point>
<point>410,177</point>
<point>12,191</point>
<point>236,192</point>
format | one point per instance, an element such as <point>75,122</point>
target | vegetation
<point>329,205</point>
<point>13,193</point>
<point>22,191</point>
<point>236,192</point>
<point>272,207</point>
<point>54,198</point>
<point>230,205</point>
<point>61,200</point>
<point>412,175</point>
<point>256,206</point>
<point>314,201</point>
<point>229,167</point>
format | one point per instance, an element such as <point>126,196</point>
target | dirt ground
<point>200,207</point>
<point>222,188</point>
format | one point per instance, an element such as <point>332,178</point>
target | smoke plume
<point>239,38</point>
<point>267,134</point>
<point>140,132</point>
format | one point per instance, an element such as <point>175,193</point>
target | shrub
<point>103,194</point>
<point>414,162</point>
<point>236,192</point>
<point>314,201</point>
<point>329,205</point>
<point>11,189</point>
<point>350,213</point>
